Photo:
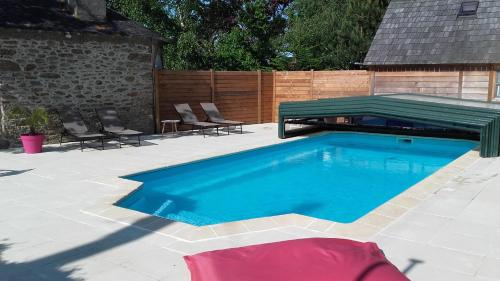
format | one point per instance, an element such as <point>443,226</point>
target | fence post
<point>460,83</point>
<point>212,85</point>
<point>312,84</point>
<point>157,99</point>
<point>259,96</point>
<point>273,107</point>
<point>371,77</point>
<point>491,85</point>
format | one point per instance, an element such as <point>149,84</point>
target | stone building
<point>77,54</point>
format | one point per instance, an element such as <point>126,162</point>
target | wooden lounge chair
<point>215,116</point>
<point>74,127</point>
<point>189,118</point>
<point>112,125</point>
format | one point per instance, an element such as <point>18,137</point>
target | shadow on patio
<point>50,267</point>
<point>7,173</point>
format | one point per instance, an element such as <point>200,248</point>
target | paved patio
<point>57,221</point>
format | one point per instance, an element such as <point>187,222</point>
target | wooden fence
<point>254,96</point>
<point>251,96</point>
<point>457,84</point>
<point>310,85</point>
<point>239,95</point>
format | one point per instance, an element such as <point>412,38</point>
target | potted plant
<point>36,120</point>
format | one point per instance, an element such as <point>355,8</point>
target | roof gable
<point>430,32</point>
<point>52,15</point>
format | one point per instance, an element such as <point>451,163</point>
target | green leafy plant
<point>36,119</point>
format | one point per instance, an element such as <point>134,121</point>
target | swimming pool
<point>335,176</point>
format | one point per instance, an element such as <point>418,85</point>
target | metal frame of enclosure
<point>474,116</point>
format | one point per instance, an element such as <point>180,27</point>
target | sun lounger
<point>215,116</point>
<point>189,118</point>
<point>111,124</point>
<point>74,127</point>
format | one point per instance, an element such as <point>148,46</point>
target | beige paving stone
<point>320,225</point>
<point>195,233</point>
<point>405,201</point>
<point>230,228</point>
<point>260,224</point>
<point>375,219</point>
<point>357,231</point>
<point>390,210</point>
<point>293,219</point>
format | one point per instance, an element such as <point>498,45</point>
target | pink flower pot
<point>32,143</point>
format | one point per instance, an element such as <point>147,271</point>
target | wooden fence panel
<point>174,87</point>
<point>236,95</point>
<point>307,85</point>
<point>475,85</point>
<point>267,97</point>
<point>334,84</point>
<point>456,84</point>
<point>418,82</point>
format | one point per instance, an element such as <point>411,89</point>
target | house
<point>77,54</point>
<point>438,47</point>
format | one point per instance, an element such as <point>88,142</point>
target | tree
<point>325,34</point>
<point>219,34</point>
<point>249,44</point>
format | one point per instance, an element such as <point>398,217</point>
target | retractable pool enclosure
<point>471,116</point>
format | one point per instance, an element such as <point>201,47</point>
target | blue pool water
<point>336,176</point>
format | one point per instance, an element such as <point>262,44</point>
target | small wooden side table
<point>173,126</point>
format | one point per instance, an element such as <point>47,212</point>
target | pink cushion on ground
<point>313,259</point>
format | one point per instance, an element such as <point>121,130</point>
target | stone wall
<point>81,71</point>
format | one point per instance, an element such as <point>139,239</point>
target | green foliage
<point>36,120</point>
<point>259,34</point>
<point>327,34</point>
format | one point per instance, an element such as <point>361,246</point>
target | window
<point>497,86</point>
<point>468,8</point>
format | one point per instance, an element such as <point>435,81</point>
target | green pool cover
<point>453,113</point>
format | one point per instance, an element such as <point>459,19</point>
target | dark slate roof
<point>429,32</point>
<point>52,15</point>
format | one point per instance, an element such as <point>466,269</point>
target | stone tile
<point>306,233</point>
<point>320,225</point>
<point>260,224</point>
<point>405,201</point>
<point>231,228</point>
<point>410,232</point>
<point>426,272</point>
<point>375,219</point>
<point>389,210</point>
<point>461,243</point>
<point>470,229</point>
<point>357,231</point>
<point>120,273</point>
<point>486,213</point>
<point>426,220</point>
<point>194,233</point>
<point>261,237</point>
<point>293,219</point>
<point>446,259</point>
<point>445,207</point>
<point>191,248</point>
<point>490,269</point>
